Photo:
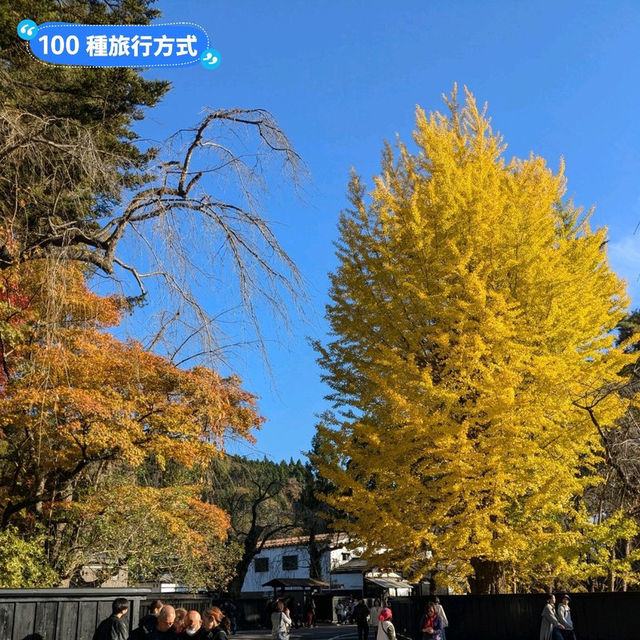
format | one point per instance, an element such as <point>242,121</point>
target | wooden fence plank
<point>104,611</point>
<point>25,613</point>
<point>67,621</point>
<point>88,619</point>
<point>6,619</point>
<point>46,616</point>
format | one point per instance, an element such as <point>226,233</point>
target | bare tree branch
<point>196,220</point>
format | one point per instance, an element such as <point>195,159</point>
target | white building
<point>289,558</point>
<point>358,575</point>
<point>340,567</point>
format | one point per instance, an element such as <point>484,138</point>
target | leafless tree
<point>620,441</point>
<point>192,221</point>
<point>620,471</point>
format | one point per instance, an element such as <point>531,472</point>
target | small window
<point>346,556</point>
<point>261,565</point>
<point>289,563</point>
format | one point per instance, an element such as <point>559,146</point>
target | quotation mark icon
<point>210,58</point>
<point>27,29</point>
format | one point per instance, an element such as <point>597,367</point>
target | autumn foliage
<point>472,315</point>
<point>80,411</point>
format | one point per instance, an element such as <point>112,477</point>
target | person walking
<point>295,607</point>
<point>374,612</point>
<point>550,626</point>
<point>386,630</point>
<point>113,628</point>
<point>361,616</point>
<point>310,611</point>
<point>280,622</point>
<point>231,611</point>
<point>430,623</point>
<point>443,616</point>
<point>351,603</point>
<point>564,617</point>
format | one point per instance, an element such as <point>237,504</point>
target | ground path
<point>321,632</point>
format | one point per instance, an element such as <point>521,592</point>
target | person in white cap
<point>564,616</point>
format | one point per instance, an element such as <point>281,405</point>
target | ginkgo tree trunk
<point>471,308</point>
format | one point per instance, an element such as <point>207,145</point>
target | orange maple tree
<point>78,405</point>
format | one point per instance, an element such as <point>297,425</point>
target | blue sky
<point>561,80</point>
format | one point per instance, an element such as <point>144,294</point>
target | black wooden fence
<point>73,614</point>
<point>188,601</point>
<point>596,616</point>
<point>61,614</point>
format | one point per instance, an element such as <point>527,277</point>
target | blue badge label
<point>89,45</point>
<point>210,58</point>
<point>27,29</point>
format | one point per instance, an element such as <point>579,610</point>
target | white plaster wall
<point>329,560</point>
<point>253,581</point>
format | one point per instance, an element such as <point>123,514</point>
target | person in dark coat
<point>293,606</point>
<point>310,611</point>
<point>148,622</point>
<point>361,616</point>
<point>267,611</point>
<point>113,628</point>
<point>163,628</point>
<point>224,629</point>
<point>211,627</point>
<point>230,610</point>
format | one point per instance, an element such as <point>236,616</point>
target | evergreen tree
<point>66,133</point>
<point>259,496</point>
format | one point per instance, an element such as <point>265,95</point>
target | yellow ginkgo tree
<point>472,310</point>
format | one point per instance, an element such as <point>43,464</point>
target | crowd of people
<point>302,613</point>
<point>164,622</point>
<point>557,623</point>
<point>379,617</point>
<point>350,611</point>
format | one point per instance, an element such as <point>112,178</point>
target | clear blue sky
<point>561,79</point>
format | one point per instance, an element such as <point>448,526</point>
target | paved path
<point>321,632</point>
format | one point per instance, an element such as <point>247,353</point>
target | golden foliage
<point>471,308</point>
